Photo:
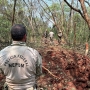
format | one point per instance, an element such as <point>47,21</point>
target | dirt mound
<point>64,70</point>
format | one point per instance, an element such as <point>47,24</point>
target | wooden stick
<point>50,72</point>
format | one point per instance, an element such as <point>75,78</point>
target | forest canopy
<point>69,16</point>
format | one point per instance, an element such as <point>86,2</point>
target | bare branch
<point>87,3</point>
<point>55,23</point>
<point>50,73</point>
<point>25,3</point>
<point>75,9</point>
<point>45,10</point>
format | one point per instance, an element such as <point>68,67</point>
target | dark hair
<point>17,32</point>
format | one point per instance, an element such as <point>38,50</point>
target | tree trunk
<point>13,12</point>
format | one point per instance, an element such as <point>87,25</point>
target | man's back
<point>19,65</point>
<point>51,34</point>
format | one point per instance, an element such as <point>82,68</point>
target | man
<point>59,37</point>
<point>20,63</point>
<point>51,34</point>
<point>46,36</point>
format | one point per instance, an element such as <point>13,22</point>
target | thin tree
<point>13,16</point>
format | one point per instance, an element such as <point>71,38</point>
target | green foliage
<point>37,25</point>
<point>4,29</point>
<point>80,30</point>
<point>55,7</point>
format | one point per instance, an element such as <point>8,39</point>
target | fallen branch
<point>50,72</point>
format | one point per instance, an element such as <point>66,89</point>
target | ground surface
<point>63,69</point>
